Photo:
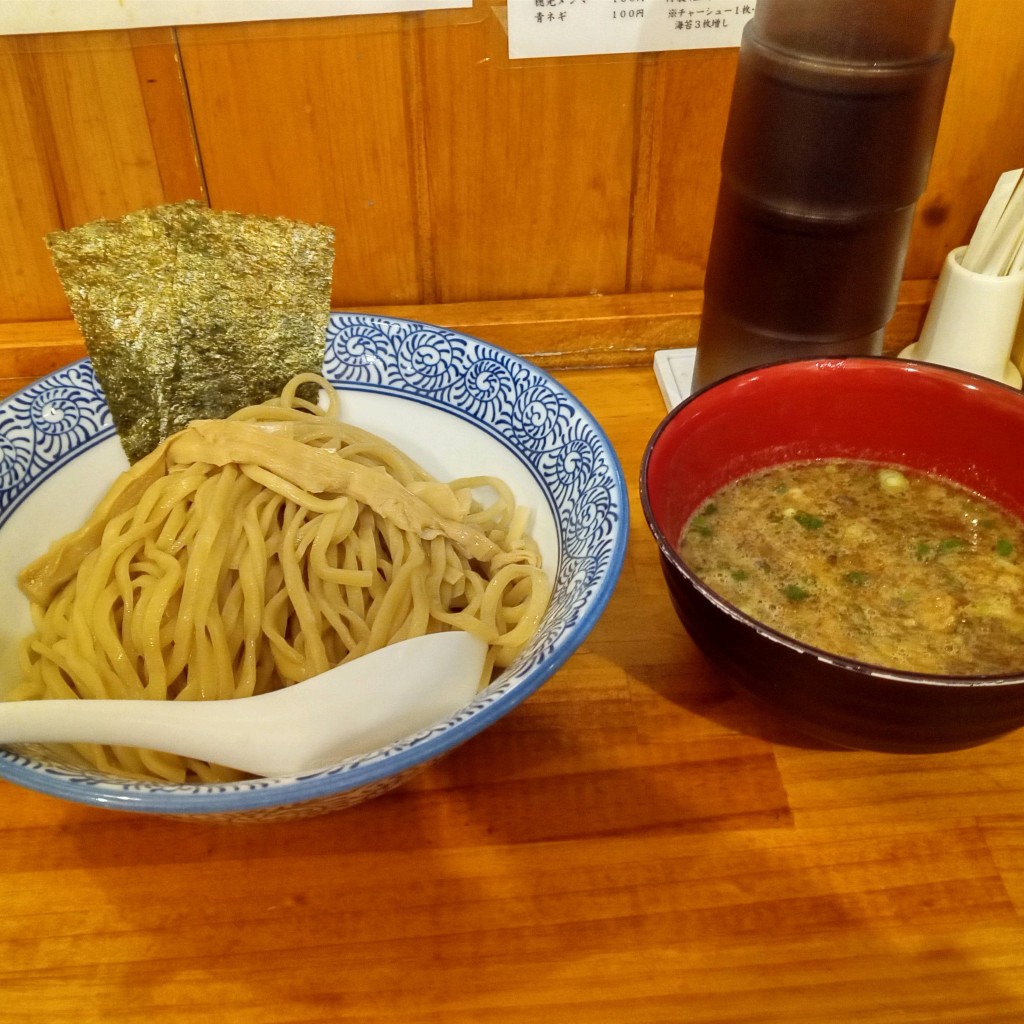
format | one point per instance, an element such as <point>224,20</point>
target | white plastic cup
<point>972,322</point>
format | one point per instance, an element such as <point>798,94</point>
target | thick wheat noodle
<point>223,569</point>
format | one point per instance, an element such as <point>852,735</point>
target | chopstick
<point>997,245</point>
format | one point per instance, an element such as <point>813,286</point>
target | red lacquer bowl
<point>927,417</point>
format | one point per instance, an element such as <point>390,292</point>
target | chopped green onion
<point>857,578</point>
<point>950,544</point>
<point>1004,548</point>
<point>809,522</point>
<point>795,592</point>
<point>701,526</point>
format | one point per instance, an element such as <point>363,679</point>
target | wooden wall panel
<point>982,129</point>
<point>530,167</point>
<point>314,120</point>
<point>93,127</point>
<point>28,203</point>
<point>164,94</point>
<point>451,173</point>
<point>686,104</point>
<point>94,121</point>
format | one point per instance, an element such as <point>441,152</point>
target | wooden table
<point>635,843</point>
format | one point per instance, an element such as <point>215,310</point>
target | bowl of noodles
<point>478,494</point>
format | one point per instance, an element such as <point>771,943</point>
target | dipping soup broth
<point>878,563</point>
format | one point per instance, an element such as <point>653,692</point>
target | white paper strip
<point>23,16</point>
<point>566,28</point>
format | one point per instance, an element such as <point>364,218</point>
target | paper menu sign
<point>29,16</point>
<point>566,28</point>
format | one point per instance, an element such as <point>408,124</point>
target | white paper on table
<point>30,16</point>
<point>673,368</point>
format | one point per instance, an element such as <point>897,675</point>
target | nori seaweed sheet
<point>192,313</point>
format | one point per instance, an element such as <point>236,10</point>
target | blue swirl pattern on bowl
<point>44,426</point>
<point>64,414</point>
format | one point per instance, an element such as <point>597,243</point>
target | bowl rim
<point>201,799</point>
<point>727,608</point>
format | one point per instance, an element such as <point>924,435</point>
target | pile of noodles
<point>247,554</point>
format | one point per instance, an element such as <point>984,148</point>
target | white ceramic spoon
<point>351,709</point>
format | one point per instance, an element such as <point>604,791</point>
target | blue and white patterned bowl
<point>456,404</point>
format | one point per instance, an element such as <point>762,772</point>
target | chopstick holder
<point>974,315</point>
<point>972,321</point>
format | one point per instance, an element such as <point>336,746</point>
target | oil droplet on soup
<point>875,562</point>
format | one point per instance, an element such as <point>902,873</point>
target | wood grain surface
<point>635,843</point>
